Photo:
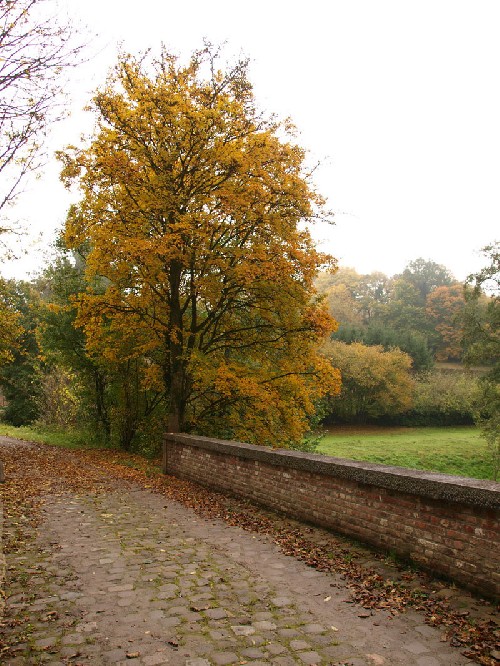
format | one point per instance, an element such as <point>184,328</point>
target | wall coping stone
<point>436,486</point>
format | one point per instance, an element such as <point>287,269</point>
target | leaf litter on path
<point>35,470</point>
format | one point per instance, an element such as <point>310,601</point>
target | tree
<point>425,276</point>
<point>443,397</point>
<point>410,342</point>
<point>109,402</point>
<point>372,295</point>
<point>63,346</point>
<point>10,330</point>
<point>191,209</point>
<point>444,308</point>
<point>405,310</point>
<point>482,343</point>
<point>342,276</point>
<point>375,383</point>
<point>364,295</point>
<point>482,316</point>
<point>34,48</point>
<point>342,305</point>
<point>19,378</point>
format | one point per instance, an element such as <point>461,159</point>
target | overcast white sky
<point>400,99</point>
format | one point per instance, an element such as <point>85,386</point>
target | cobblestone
<point>128,577</point>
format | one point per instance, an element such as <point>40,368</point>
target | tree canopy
<point>191,209</point>
<point>375,382</point>
<point>10,328</point>
<point>425,276</point>
<point>482,343</point>
<point>482,321</point>
<point>419,310</point>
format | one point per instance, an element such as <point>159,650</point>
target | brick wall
<point>447,524</point>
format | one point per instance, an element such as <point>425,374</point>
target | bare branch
<point>35,48</point>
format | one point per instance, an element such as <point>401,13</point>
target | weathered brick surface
<point>447,524</point>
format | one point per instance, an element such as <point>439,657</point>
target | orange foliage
<point>190,209</point>
<point>10,329</point>
<point>444,307</point>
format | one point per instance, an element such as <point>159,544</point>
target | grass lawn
<point>452,450</point>
<point>461,450</point>
<point>67,438</point>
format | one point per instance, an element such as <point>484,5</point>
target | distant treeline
<point>403,348</point>
<point>397,340</point>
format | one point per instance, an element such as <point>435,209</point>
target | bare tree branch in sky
<point>35,49</point>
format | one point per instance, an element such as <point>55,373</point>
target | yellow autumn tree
<point>375,383</point>
<point>191,212</point>
<point>10,328</point>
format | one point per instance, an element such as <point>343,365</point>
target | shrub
<point>375,383</point>
<point>58,401</point>
<point>443,398</point>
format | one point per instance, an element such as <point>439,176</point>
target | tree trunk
<point>177,404</point>
<point>131,417</point>
<point>176,367</point>
<point>174,421</point>
<point>100,403</point>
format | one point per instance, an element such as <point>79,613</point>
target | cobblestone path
<point>129,577</point>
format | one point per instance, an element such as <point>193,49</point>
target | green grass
<point>68,438</point>
<point>451,450</point>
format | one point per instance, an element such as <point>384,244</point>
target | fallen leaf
<point>59,471</point>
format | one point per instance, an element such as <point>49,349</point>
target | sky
<point>397,99</point>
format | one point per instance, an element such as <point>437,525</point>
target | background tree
<point>34,48</point>
<point>108,401</point>
<point>354,298</point>
<point>63,345</point>
<point>58,399</point>
<point>10,330</point>
<point>340,299</point>
<point>444,308</point>
<point>412,343</point>
<point>20,377</point>
<point>405,309</point>
<point>482,317</point>
<point>373,292</point>
<point>442,397</point>
<point>417,311</point>
<point>426,276</point>
<point>191,204</point>
<point>375,383</point>
<point>482,343</point>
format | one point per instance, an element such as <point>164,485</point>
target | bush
<point>443,398</point>
<point>58,401</point>
<point>21,388</point>
<point>375,383</point>
<point>488,419</point>
<point>412,343</point>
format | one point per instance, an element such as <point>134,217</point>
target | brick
<point>447,536</point>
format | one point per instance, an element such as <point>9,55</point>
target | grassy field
<point>452,450</point>
<point>461,450</point>
<point>64,438</point>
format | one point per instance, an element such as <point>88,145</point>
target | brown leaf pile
<point>35,470</point>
